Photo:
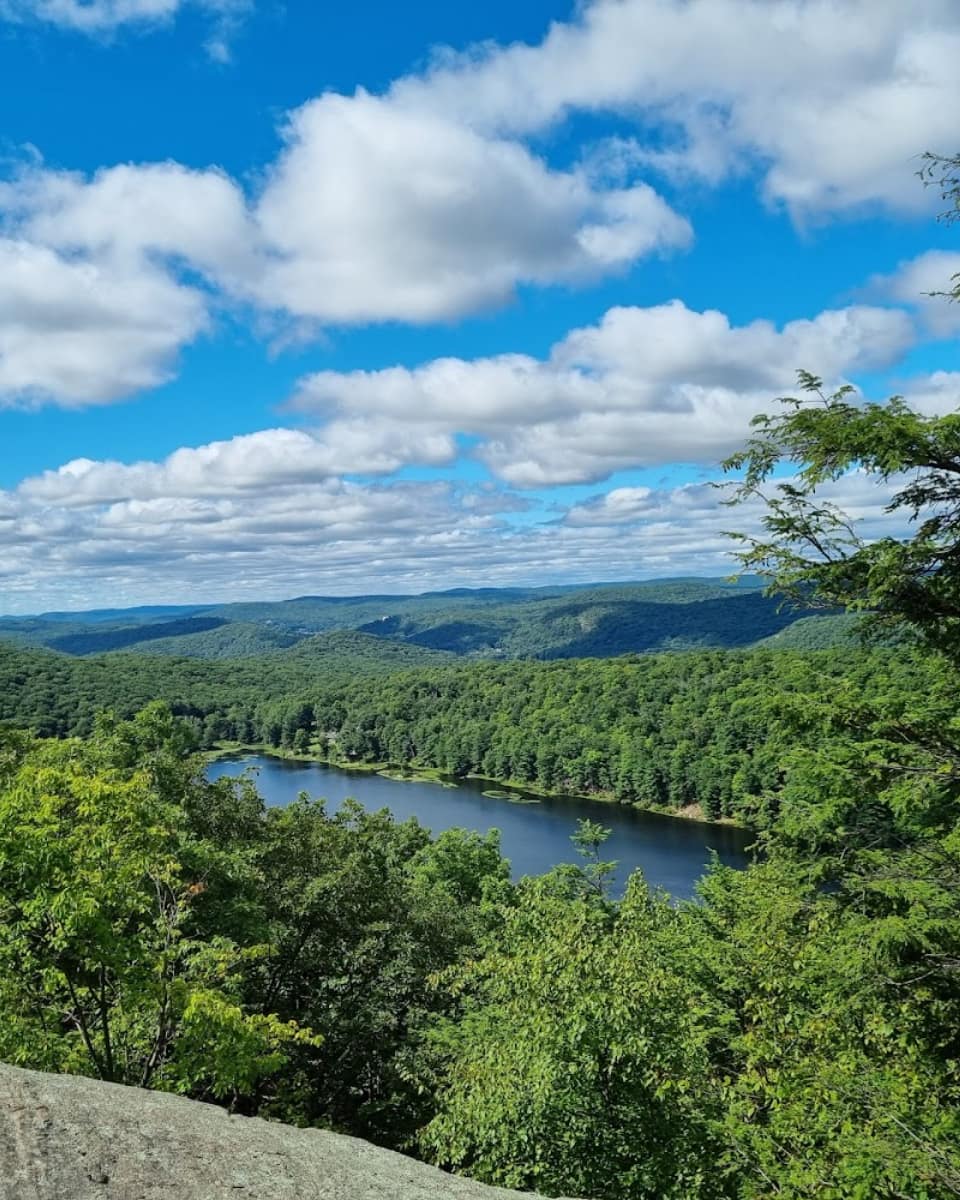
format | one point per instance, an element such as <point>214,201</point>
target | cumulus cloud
<point>153,212</point>
<point>110,542</point>
<point>87,331</point>
<point>92,305</point>
<point>91,16</point>
<point>269,514</point>
<point>271,459</point>
<point>934,395</point>
<point>244,517</point>
<point>369,214</point>
<point>374,212</point>
<point>643,387</point>
<point>832,102</point>
<point>699,506</point>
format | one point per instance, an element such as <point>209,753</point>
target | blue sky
<point>303,298</point>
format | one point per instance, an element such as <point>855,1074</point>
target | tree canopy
<point>813,549</point>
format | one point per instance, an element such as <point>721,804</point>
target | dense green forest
<point>585,621</point>
<point>823,632</point>
<point>706,728</point>
<point>793,1033</point>
<point>58,694</point>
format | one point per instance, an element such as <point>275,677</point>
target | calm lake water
<point>671,852</point>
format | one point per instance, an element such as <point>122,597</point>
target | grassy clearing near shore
<point>510,797</point>
<point>417,775</point>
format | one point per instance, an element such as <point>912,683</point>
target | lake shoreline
<point>407,774</point>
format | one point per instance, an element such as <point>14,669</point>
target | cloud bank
<point>273,539</point>
<point>272,513</point>
<point>644,387</point>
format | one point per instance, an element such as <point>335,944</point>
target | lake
<point>672,852</point>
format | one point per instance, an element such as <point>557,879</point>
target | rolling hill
<point>591,620</point>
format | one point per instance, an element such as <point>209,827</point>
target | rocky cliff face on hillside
<point>68,1138</point>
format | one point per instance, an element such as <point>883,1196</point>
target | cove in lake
<point>672,852</point>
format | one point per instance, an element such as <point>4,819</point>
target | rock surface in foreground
<point>69,1138</point>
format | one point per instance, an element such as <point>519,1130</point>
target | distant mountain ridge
<point>557,621</point>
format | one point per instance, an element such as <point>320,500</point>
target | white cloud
<point>152,212</point>
<point>95,16</point>
<point>934,395</point>
<point>238,518</point>
<point>99,18</point>
<point>645,386</point>
<point>833,101</point>
<point>376,213</point>
<point>700,507</point>
<point>370,214</point>
<point>86,331</point>
<point>270,459</point>
<point>93,306</point>
<point>921,283</point>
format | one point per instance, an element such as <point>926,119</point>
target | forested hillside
<point>708,729</point>
<point>59,695</point>
<point>584,621</point>
<point>823,632</point>
<point>703,728</point>
<point>346,970</point>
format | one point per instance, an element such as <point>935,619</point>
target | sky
<point>300,298</point>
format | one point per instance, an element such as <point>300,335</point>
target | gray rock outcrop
<point>68,1138</point>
